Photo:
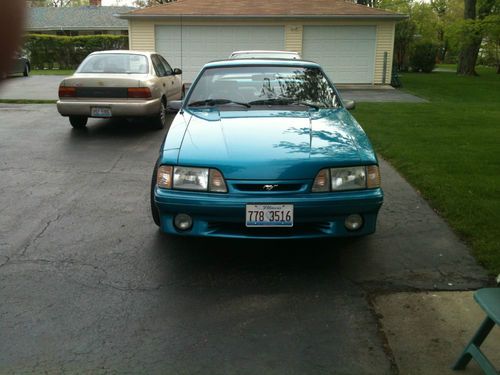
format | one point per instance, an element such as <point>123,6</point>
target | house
<point>353,43</point>
<point>85,20</point>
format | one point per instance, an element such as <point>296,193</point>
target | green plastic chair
<point>489,300</point>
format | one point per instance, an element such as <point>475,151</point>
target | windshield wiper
<point>213,102</point>
<point>284,101</point>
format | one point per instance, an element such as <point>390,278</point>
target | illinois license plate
<point>269,215</point>
<point>100,112</point>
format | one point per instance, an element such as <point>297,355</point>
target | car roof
<point>127,52</point>
<point>265,51</point>
<point>260,62</point>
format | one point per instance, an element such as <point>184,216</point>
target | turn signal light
<point>139,92</point>
<point>373,177</point>
<point>67,91</point>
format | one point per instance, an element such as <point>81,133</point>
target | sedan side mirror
<point>349,104</point>
<point>177,71</point>
<point>174,105</point>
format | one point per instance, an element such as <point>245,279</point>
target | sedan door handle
<point>163,84</point>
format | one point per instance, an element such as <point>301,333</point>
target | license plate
<point>100,112</point>
<point>269,215</point>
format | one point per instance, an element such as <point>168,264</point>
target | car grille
<point>299,229</point>
<point>102,92</point>
<point>268,187</point>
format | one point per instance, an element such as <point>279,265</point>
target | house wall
<point>142,35</point>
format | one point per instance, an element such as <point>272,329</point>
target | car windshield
<point>115,63</point>
<point>259,87</point>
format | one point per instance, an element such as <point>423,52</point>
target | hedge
<point>423,57</point>
<point>67,52</point>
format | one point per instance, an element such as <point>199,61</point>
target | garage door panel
<point>347,53</point>
<point>193,46</point>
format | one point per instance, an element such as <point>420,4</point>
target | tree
<point>59,3</point>
<point>148,3</point>
<point>472,33</point>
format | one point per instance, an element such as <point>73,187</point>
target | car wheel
<point>154,210</point>
<point>161,121</point>
<point>26,71</point>
<point>78,122</point>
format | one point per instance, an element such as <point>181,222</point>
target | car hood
<point>269,144</point>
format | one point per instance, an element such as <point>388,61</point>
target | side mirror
<point>349,104</point>
<point>174,105</point>
<point>177,71</point>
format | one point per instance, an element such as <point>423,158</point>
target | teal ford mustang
<point>265,149</point>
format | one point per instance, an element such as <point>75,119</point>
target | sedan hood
<point>273,145</point>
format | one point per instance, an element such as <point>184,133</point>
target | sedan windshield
<point>114,63</point>
<point>260,87</point>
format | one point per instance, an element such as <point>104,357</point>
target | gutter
<point>298,16</point>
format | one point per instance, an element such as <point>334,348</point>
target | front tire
<point>154,210</point>
<point>78,122</point>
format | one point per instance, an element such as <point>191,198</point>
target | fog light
<point>183,222</point>
<point>353,222</point>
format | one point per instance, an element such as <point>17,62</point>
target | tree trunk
<point>468,54</point>
<point>467,58</point>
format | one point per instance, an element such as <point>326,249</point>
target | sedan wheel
<point>78,122</point>
<point>161,120</point>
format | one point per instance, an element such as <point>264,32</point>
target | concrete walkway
<point>46,87</point>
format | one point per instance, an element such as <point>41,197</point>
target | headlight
<point>190,178</point>
<point>347,178</point>
<point>186,178</point>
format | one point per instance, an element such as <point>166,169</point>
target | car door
<point>174,90</point>
<point>163,78</point>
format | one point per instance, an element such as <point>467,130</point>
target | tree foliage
<point>148,3</point>
<point>59,3</point>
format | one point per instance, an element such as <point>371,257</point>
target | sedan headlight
<point>347,178</point>
<point>190,178</point>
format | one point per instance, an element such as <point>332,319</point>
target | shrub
<point>423,57</point>
<point>67,52</point>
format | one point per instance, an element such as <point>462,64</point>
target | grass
<point>448,149</point>
<point>52,72</point>
<point>27,101</point>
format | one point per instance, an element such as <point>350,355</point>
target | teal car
<point>265,149</point>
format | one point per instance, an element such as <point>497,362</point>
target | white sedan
<point>120,84</point>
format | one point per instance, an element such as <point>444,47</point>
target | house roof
<point>262,8</point>
<point>76,18</point>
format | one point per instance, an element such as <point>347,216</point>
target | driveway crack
<point>40,234</point>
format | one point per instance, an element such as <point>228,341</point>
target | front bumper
<point>223,215</point>
<point>119,107</point>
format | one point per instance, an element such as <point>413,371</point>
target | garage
<point>190,47</point>
<point>354,43</point>
<point>347,53</point>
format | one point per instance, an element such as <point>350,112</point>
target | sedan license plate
<point>269,215</point>
<point>100,112</point>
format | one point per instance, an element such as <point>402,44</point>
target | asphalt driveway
<point>88,284</point>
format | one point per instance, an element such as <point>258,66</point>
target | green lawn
<point>52,72</point>
<point>449,149</point>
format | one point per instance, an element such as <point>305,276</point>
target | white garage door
<point>190,47</point>
<point>347,53</point>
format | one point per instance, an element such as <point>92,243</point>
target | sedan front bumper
<point>119,107</point>
<point>223,215</point>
